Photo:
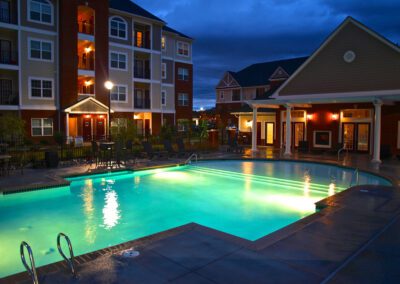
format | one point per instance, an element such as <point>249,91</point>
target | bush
<point>12,128</point>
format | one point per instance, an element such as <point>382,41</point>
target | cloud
<point>231,34</point>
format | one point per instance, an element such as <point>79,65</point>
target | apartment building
<point>56,56</point>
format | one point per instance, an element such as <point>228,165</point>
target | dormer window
<point>40,11</point>
<point>118,28</point>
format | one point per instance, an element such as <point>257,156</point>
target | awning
<point>88,105</point>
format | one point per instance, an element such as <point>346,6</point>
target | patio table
<point>107,149</point>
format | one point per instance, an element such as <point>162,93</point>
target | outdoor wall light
<point>88,83</point>
<point>334,116</point>
<point>249,123</point>
<point>310,116</point>
<point>88,49</point>
<point>135,116</point>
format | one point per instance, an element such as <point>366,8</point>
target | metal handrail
<point>70,260</point>
<point>340,150</point>
<point>189,160</point>
<point>31,270</point>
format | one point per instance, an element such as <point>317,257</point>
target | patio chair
<point>182,149</point>
<point>120,153</point>
<point>95,153</point>
<point>150,153</point>
<point>168,148</point>
<point>234,147</point>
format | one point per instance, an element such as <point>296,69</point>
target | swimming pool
<point>248,199</point>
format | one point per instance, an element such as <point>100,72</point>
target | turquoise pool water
<point>248,199</point>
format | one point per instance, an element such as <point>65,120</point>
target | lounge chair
<point>150,153</point>
<point>234,147</point>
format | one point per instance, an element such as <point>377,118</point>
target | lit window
<point>183,74</point>
<point>183,48</point>
<point>41,50</point>
<point>139,39</point>
<point>119,125</point>
<point>40,11</point>
<point>42,126</point>
<point>118,61</point>
<point>164,71</point>
<point>163,42</point>
<point>41,88</point>
<point>118,93</point>
<point>163,98</point>
<point>183,99</point>
<point>118,28</point>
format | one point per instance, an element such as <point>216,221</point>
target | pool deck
<point>354,239</point>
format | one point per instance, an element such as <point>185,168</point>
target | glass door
<point>348,136</point>
<point>298,133</point>
<point>269,133</point>
<point>363,137</point>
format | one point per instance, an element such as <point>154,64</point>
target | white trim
<point>41,41</point>
<point>126,27</point>
<point>126,94</point>
<point>7,107</point>
<point>138,16</point>
<point>168,85</point>
<point>38,107</point>
<point>9,26</point>
<point>82,36</point>
<point>84,101</point>
<point>87,73</point>
<point>119,53</point>
<point>30,78</point>
<point>28,13</point>
<point>120,45</point>
<point>188,48</point>
<point>140,80</point>
<point>189,61</point>
<point>146,50</point>
<point>10,66</point>
<point>333,35</point>
<point>315,145</point>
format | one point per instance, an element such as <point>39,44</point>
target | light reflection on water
<point>111,211</point>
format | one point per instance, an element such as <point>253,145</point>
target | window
<point>118,93</point>
<point>164,71</point>
<point>118,28</point>
<point>163,98</point>
<point>163,43</point>
<point>139,39</point>
<point>40,11</point>
<point>183,124</point>
<point>357,113</point>
<point>40,50</point>
<point>236,95</point>
<point>42,126</point>
<point>118,125</point>
<point>183,48</point>
<point>183,74</point>
<point>221,95</point>
<point>183,99</point>
<point>118,61</point>
<point>41,88</point>
<point>322,139</point>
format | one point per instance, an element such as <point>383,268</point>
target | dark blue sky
<point>231,34</point>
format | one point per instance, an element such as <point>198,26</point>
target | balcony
<point>6,16</point>
<point>85,27</point>
<point>85,20</point>
<point>86,62</point>
<point>9,98</point>
<point>9,57</point>
<point>142,36</point>
<point>142,73</point>
<point>142,99</point>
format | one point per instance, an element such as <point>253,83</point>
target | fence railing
<point>7,17</point>
<point>9,98</point>
<point>85,27</point>
<point>8,57</point>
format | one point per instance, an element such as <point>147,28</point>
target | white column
<point>67,125</point>
<point>254,131</point>
<point>377,132</point>
<point>288,144</point>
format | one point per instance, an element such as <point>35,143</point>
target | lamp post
<point>109,85</point>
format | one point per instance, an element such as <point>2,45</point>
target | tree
<point>12,128</point>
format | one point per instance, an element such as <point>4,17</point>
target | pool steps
<point>32,268</point>
<point>265,179</point>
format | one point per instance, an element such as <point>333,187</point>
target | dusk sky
<point>231,34</point>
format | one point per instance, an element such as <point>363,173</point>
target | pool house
<point>344,96</point>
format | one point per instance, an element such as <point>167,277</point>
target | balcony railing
<point>7,17</point>
<point>142,103</point>
<point>9,98</point>
<point>142,73</point>
<point>86,27</point>
<point>86,63</point>
<point>9,57</point>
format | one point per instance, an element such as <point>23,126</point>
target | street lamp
<point>109,85</point>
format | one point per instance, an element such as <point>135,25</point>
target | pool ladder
<point>356,175</point>
<point>32,268</point>
<point>189,160</point>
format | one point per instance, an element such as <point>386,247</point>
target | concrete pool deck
<point>355,239</point>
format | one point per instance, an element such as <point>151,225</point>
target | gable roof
<point>88,105</point>
<point>348,20</point>
<point>132,8</point>
<point>171,30</point>
<point>259,74</point>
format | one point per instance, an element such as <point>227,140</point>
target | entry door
<point>147,127</point>
<point>87,129</point>
<point>258,133</point>
<point>297,133</point>
<point>100,128</point>
<point>269,133</point>
<point>356,136</point>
